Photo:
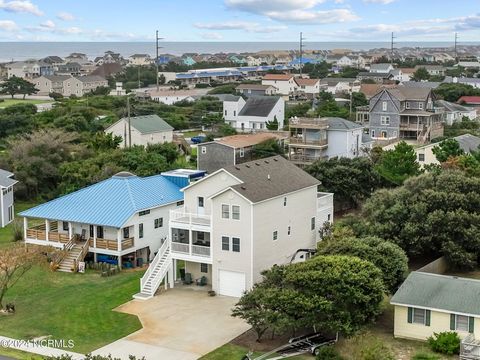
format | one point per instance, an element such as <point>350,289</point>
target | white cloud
<point>49,24</point>
<point>316,17</point>
<point>384,2</point>
<point>211,36</point>
<point>20,6</point>
<point>65,16</point>
<point>240,25</point>
<point>8,25</point>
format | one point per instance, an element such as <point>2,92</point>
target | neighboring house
<point>7,210</point>
<point>125,216</point>
<point>231,150</point>
<point>469,100</point>
<point>82,85</point>
<point>256,89</point>
<point>71,68</point>
<point>53,60</point>
<point>340,85</point>
<point>29,69</point>
<point>284,83</point>
<point>78,58</point>
<point>139,60</point>
<point>309,87</point>
<point>143,130</point>
<point>50,84</point>
<point>106,70</point>
<point>119,90</point>
<point>433,70</point>
<point>206,76</point>
<point>421,84</point>
<point>431,303</point>
<point>370,90</point>
<point>239,221</point>
<point>375,76</point>
<point>255,113</point>
<point>400,76</point>
<point>405,113</point>
<point>381,68</point>
<point>475,82</point>
<point>468,64</point>
<point>312,139</point>
<point>467,142</point>
<point>456,112</point>
<point>170,97</point>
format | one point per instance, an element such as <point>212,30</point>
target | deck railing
<point>104,244</point>
<point>190,249</point>
<point>301,141</point>
<point>36,234</point>
<point>127,243</point>
<point>189,218</point>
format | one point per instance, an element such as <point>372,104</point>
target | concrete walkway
<point>178,324</point>
<point>30,347</point>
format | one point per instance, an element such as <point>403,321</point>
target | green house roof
<point>439,292</point>
<point>147,124</point>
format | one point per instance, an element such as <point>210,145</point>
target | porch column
<point>70,230</point>
<point>190,234</point>
<point>25,227</point>
<point>94,243</point>
<point>119,247</point>
<point>174,270</point>
<point>47,228</point>
<point>170,276</point>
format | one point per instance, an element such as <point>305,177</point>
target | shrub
<point>425,356</point>
<point>376,350</point>
<point>446,342</point>
<point>328,353</point>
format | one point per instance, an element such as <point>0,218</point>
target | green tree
<point>388,257</point>
<point>447,148</point>
<point>430,215</point>
<point>27,88</point>
<point>398,164</point>
<point>272,125</point>
<point>452,92</point>
<point>332,109</point>
<point>12,86</point>
<point>421,74</point>
<point>268,148</point>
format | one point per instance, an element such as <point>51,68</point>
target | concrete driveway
<point>178,324</point>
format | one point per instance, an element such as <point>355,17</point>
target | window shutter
<point>471,324</point>
<point>452,321</point>
<point>427,317</point>
<point>410,315</point>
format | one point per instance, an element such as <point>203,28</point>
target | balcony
<point>107,244</point>
<point>300,141</point>
<point>308,123</point>
<point>305,159</point>
<point>191,249</point>
<point>190,244</point>
<point>182,219</point>
<point>324,201</point>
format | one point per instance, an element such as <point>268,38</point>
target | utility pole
<point>392,48</point>
<point>301,52</point>
<point>138,75</point>
<point>129,123</point>
<point>456,44</point>
<point>156,57</point>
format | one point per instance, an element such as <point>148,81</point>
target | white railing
<point>201,250</point>
<point>324,200</point>
<point>153,264</point>
<point>180,247</point>
<point>181,216</point>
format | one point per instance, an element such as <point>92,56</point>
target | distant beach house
<point>142,130</point>
<point>6,197</point>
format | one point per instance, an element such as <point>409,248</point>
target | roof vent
<point>247,166</point>
<point>275,159</point>
<point>123,174</point>
<point>267,162</point>
<point>243,187</point>
<point>236,167</point>
<point>268,177</point>
<point>257,164</point>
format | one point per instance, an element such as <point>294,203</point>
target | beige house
<point>82,85</point>
<point>431,303</point>
<point>467,142</point>
<point>139,60</point>
<point>143,130</point>
<point>50,84</point>
<point>239,221</point>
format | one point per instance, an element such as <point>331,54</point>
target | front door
<point>200,205</point>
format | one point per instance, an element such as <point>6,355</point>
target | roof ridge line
<point>129,189</point>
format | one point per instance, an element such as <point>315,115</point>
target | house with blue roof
<point>120,220</point>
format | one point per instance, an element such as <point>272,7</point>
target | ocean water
<point>36,50</point>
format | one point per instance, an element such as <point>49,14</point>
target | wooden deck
<point>108,244</point>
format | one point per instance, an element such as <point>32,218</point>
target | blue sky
<point>238,20</point>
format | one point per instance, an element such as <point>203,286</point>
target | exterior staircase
<point>75,254</point>
<point>156,272</point>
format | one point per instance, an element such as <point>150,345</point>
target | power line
<point>156,57</point>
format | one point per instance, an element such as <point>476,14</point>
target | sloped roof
<point>241,141</point>
<point>370,90</point>
<point>469,99</point>
<point>440,292</point>
<point>253,87</point>
<point>108,69</point>
<point>259,106</point>
<point>225,97</point>
<point>306,82</point>
<point>403,93</point>
<point>468,142</point>
<point>57,78</point>
<point>382,66</point>
<point>336,123</point>
<point>90,78</point>
<point>421,84</point>
<point>6,178</point>
<point>452,106</point>
<point>270,177</point>
<point>110,202</point>
<point>278,77</point>
<point>147,124</point>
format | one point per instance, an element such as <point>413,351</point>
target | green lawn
<point>19,355</point>
<point>9,102</point>
<point>235,352</point>
<point>72,306</point>
<point>6,233</point>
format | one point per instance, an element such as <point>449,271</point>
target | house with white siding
<point>7,210</point>
<point>239,221</point>
<point>284,83</point>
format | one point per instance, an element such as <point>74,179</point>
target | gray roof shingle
<point>259,105</point>
<point>336,123</point>
<point>6,178</point>
<point>468,142</point>
<point>270,177</point>
<point>432,291</point>
<point>148,124</point>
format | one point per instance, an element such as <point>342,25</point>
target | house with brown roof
<point>284,83</point>
<point>233,150</point>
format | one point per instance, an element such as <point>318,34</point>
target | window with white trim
<point>235,244</point>
<point>384,106</point>
<point>225,211</point>
<point>420,106</point>
<point>225,243</point>
<point>385,120</point>
<point>312,223</point>
<point>203,149</point>
<point>242,152</point>
<point>275,235</point>
<point>204,268</point>
<point>235,212</point>
<point>407,105</point>
<point>461,323</point>
<point>418,316</point>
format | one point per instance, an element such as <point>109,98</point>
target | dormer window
<point>420,106</point>
<point>407,105</point>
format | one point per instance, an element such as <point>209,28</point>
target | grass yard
<point>9,102</point>
<point>19,355</point>
<point>236,352</point>
<point>6,233</point>
<point>71,306</point>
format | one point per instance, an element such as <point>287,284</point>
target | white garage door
<point>231,283</point>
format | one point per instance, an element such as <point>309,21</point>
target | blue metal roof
<point>110,202</point>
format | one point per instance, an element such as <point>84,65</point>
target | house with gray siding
<point>405,113</point>
<point>231,150</point>
<point>256,89</point>
<point>7,210</point>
